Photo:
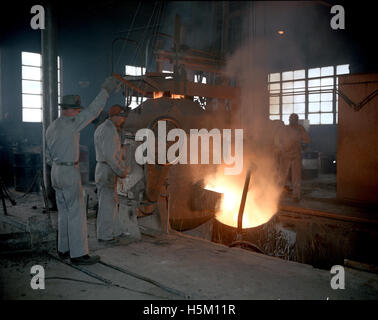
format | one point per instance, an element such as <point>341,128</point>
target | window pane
<point>287,108</point>
<point>314,118</point>
<point>285,118</point>
<point>273,77</point>
<point>134,71</point>
<point>326,71</point>
<point>274,88</point>
<point>326,96</point>
<point>326,106</point>
<point>287,75</point>
<point>314,97</point>
<point>287,99</point>
<point>299,98</point>
<point>299,74</point>
<point>337,117</point>
<point>274,100</point>
<point>326,118</point>
<point>301,116</point>
<point>299,86</point>
<point>31,59</point>
<point>274,109</point>
<point>313,73</point>
<point>31,87</point>
<point>31,101</point>
<point>314,84</point>
<point>274,117</point>
<point>327,82</point>
<point>32,73</point>
<point>342,69</point>
<point>287,86</point>
<point>196,79</point>
<point>31,115</point>
<point>313,107</point>
<point>299,108</point>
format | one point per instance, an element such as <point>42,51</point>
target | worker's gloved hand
<point>110,84</point>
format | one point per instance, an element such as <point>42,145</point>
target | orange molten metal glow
<point>158,94</point>
<point>259,207</point>
<point>177,96</point>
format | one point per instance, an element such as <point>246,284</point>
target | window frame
<point>25,118</point>
<point>308,91</point>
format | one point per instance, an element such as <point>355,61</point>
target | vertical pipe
<point>50,88</point>
<point>225,27</point>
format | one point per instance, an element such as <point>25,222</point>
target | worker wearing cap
<point>290,143</point>
<point>110,166</point>
<point>62,144</point>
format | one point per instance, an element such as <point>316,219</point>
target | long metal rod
<point>243,200</point>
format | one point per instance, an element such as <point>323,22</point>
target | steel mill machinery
<point>174,193</point>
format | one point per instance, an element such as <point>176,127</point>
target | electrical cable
<point>154,282</point>
<point>104,280</point>
<point>77,280</point>
<point>132,24</point>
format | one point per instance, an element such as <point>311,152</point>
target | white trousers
<point>72,219</point>
<point>108,224</point>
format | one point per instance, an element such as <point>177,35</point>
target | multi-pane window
<point>309,93</point>
<point>32,86</point>
<point>134,101</point>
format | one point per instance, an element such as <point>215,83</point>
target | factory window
<point>201,100</point>
<point>309,93</point>
<point>134,101</point>
<point>32,100</point>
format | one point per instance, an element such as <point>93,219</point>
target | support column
<point>50,89</point>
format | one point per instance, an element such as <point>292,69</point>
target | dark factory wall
<point>84,44</point>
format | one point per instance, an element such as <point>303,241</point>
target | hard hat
<point>71,101</point>
<point>117,110</point>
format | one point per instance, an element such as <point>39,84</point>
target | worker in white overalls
<point>289,140</point>
<point>110,166</point>
<point>62,142</point>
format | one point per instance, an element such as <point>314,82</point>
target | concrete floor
<point>197,268</point>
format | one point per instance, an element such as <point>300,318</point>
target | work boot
<point>64,255</point>
<point>110,241</point>
<point>123,235</point>
<point>85,260</point>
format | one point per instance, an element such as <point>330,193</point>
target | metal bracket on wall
<point>357,106</point>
